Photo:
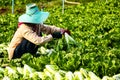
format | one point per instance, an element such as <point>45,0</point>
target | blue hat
<point>33,15</point>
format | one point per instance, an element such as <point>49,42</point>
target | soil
<point>3,10</point>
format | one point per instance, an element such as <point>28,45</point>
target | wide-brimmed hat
<point>33,15</point>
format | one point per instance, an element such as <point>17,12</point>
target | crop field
<point>91,52</point>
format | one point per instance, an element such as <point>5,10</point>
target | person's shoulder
<point>24,26</point>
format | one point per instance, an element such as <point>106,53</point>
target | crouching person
<point>29,33</point>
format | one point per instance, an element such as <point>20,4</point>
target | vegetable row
<point>51,72</point>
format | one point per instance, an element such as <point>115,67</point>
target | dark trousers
<point>25,47</point>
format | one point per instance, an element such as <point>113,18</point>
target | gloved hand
<point>63,31</point>
<point>56,35</point>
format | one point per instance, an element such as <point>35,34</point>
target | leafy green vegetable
<point>6,78</point>
<point>93,76</point>
<point>69,39</point>
<point>1,70</point>
<point>52,68</point>
<point>27,70</point>
<point>108,78</point>
<point>20,70</point>
<point>84,73</point>
<point>93,25</point>
<point>57,76</point>
<point>69,76</point>
<point>116,77</point>
<point>78,75</point>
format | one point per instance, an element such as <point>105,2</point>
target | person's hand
<point>63,31</point>
<point>56,35</point>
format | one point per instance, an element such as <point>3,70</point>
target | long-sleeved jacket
<point>28,33</point>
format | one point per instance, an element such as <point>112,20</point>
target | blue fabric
<point>33,15</point>
<point>40,17</point>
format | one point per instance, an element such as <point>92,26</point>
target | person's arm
<point>30,35</point>
<point>49,29</point>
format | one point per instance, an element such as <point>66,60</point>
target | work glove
<point>63,31</point>
<point>56,35</point>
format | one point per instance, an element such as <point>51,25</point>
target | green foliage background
<point>22,2</point>
<point>94,25</point>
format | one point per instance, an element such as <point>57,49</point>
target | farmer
<point>29,33</point>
